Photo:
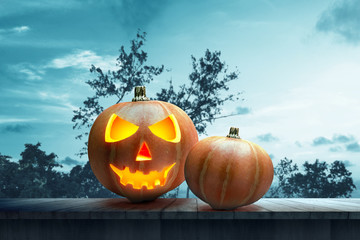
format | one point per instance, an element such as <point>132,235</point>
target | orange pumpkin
<point>138,149</point>
<point>228,172</point>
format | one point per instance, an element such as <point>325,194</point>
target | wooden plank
<point>120,208</point>
<point>314,204</point>
<point>354,200</point>
<point>343,205</point>
<point>24,203</point>
<point>305,205</point>
<point>148,210</point>
<point>276,205</point>
<point>252,211</point>
<point>206,212</point>
<point>319,209</point>
<point>281,211</point>
<point>181,208</point>
<point>26,208</point>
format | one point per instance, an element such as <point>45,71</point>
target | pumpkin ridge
<point>164,107</point>
<point>256,177</point>
<point>225,183</point>
<point>204,168</point>
<point>177,160</point>
<point>202,174</point>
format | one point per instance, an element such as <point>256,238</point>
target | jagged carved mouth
<point>138,179</point>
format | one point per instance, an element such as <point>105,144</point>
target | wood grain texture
<point>280,219</point>
<point>120,208</point>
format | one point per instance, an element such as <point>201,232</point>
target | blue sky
<point>299,64</point>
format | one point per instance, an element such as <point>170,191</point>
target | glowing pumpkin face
<point>138,149</point>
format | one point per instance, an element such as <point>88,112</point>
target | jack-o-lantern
<point>228,172</point>
<point>138,149</point>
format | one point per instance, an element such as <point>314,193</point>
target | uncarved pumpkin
<point>228,172</point>
<point>138,149</point>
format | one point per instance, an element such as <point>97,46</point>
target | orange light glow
<point>144,153</point>
<point>167,129</point>
<point>139,179</point>
<point>118,129</point>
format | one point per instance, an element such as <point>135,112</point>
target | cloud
<point>268,137</point>
<point>31,74</point>
<point>136,14</point>
<point>15,31</point>
<point>321,141</point>
<point>353,147</point>
<point>28,71</point>
<point>343,19</point>
<point>18,29</point>
<point>347,163</point>
<point>78,59</point>
<point>297,143</point>
<point>17,7</point>
<point>16,128</point>
<point>21,29</point>
<point>243,110</point>
<point>70,161</point>
<point>129,13</point>
<point>337,138</point>
<point>336,149</point>
<point>16,120</point>
<point>83,59</point>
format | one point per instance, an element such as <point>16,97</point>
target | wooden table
<point>50,218</point>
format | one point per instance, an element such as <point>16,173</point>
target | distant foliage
<point>34,176</point>
<point>317,180</point>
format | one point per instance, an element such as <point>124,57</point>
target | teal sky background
<point>299,64</point>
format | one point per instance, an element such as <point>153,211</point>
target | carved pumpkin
<point>138,149</point>
<point>228,172</point>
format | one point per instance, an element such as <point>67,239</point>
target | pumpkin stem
<point>140,94</point>
<point>233,133</point>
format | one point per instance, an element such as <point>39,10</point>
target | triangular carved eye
<point>118,129</point>
<point>167,129</point>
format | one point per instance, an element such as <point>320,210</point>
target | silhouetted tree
<point>34,175</point>
<point>132,71</point>
<point>171,194</point>
<point>201,98</point>
<point>317,180</point>
<point>38,177</point>
<point>83,183</point>
<point>9,174</point>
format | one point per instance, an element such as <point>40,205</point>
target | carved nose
<point>144,153</point>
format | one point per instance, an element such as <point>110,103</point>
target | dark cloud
<point>16,128</point>
<point>338,138</point>
<point>353,147</point>
<point>347,163</point>
<point>321,141</point>
<point>268,137</point>
<point>243,110</point>
<point>335,149</point>
<point>136,14</point>
<point>70,161</point>
<point>342,18</point>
